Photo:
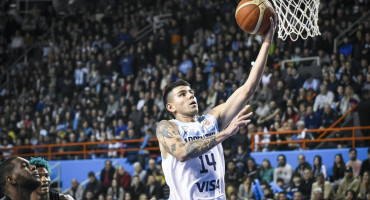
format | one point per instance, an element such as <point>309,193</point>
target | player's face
<point>45,181</point>
<point>25,175</point>
<point>182,101</point>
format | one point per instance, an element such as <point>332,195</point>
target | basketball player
<point>43,192</point>
<point>190,145</point>
<point>18,179</point>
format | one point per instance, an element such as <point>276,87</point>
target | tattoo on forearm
<point>193,149</point>
<point>165,130</point>
<point>173,147</point>
<point>198,147</point>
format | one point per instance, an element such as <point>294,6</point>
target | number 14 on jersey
<point>207,160</point>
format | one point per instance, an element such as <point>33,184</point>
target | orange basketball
<point>253,16</point>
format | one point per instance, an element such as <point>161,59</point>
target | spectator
<point>282,196</point>
<point>128,196</point>
<point>252,168</point>
<point>346,48</point>
<point>351,195</point>
<point>233,176</point>
<point>297,196</point>
<point>318,167</point>
<point>311,82</point>
<point>317,194</point>
<point>354,162</point>
<point>348,183</point>
<point>92,188</point>
<point>302,164</point>
<point>328,116</point>
<point>186,64</point>
<point>272,113</point>
<point>295,184</point>
<point>152,167</point>
<point>266,172</point>
<point>17,42</point>
<point>262,109</point>
<point>328,192</point>
<point>325,97</point>
<point>131,155</point>
<point>284,170</point>
<point>90,196</point>
<point>153,188</point>
<point>126,64</point>
<point>116,191</point>
<point>241,156</point>
<point>297,80</point>
<point>333,83</point>
<point>143,196</point>
<point>290,114</point>
<point>76,190</point>
<point>365,185</point>
<point>365,166</point>
<point>8,152</point>
<point>123,178</point>
<point>349,99</point>
<point>312,119</point>
<point>245,190</point>
<point>112,106</point>
<point>307,183</point>
<point>106,176</point>
<point>137,187</point>
<point>72,139</point>
<point>140,172</point>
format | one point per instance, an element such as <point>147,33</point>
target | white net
<point>297,18</point>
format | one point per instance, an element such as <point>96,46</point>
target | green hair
<point>40,162</point>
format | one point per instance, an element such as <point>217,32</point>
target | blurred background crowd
<point>88,77</point>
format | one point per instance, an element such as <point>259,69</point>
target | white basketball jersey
<point>202,177</point>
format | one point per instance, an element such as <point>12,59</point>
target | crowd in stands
<point>244,179</point>
<point>116,183</point>
<point>76,87</point>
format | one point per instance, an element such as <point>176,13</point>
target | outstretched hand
<point>241,119</point>
<point>269,35</point>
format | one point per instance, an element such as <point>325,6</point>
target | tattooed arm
<point>171,142</point>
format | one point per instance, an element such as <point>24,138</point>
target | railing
<point>152,27</point>
<point>304,142</point>
<point>58,178</point>
<point>339,120</point>
<point>84,152</point>
<point>313,58</point>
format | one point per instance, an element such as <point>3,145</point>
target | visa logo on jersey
<point>206,186</point>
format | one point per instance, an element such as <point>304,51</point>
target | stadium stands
<point>88,76</point>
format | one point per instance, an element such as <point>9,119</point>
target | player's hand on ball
<point>239,120</point>
<point>269,35</point>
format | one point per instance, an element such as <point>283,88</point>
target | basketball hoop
<point>297,18</point>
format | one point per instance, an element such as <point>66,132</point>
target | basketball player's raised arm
<point>225,112</point>
<point>171,142</point>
